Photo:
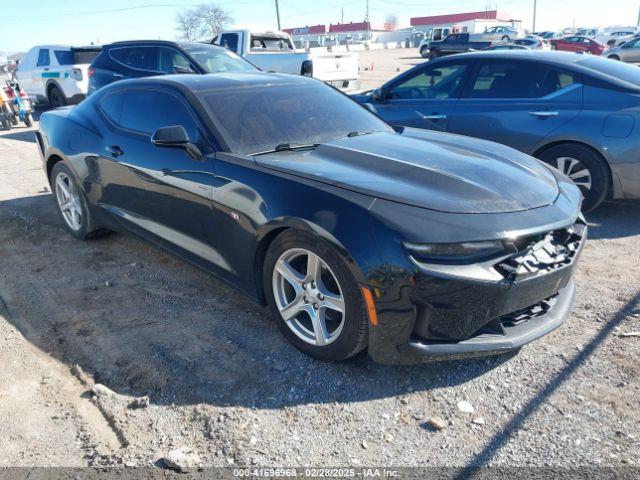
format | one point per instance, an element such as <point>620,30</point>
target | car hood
<point>448,173</point>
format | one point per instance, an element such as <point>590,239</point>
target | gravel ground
<point>115,353</point>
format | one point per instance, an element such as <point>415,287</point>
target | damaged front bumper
<point>429,315</point>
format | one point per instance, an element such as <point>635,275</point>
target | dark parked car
<point>454,43</point>
<point>578,113</point>
<point>577,44</point>
<point>146,58</point>
<point>414,244</point>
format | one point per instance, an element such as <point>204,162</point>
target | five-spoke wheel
<point>68,201</point>
<point>314,296</point>
<point>71,204</point>
<point>308,296</point>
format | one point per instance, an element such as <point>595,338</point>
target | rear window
<point>138,57</point>
<point>622,71</point>
<point>76,56</point>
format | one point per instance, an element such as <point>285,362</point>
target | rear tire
<point>573,160</point>
<point>506,39</point>
<point>56,97</point>
<point>72,204</point>
<point>614,57</point>
<point>424,52</point>
<point>342,335</point>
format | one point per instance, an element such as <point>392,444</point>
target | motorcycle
<point>20,104</point>
<point>6,114</point>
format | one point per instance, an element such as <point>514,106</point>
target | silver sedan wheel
<point>69,201</point>
<point>309,297</point>
<point>576,171</point>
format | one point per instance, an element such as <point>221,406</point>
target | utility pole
<point>535,11</point>
<point>342,15</point>
<point>278,14</point>
<point>366,19</point>
<point>638,22</point>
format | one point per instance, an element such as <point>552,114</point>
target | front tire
<point>614,57</point>
<point>28,120</point>
<point>72,204</point>
<point>314,297</point>
<point>585,167</point>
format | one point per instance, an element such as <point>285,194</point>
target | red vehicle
<point>577,44</point>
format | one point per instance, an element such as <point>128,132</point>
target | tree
<point>188,25</point>
<point>391,21</point>
<point>213,20</point>
<point>202,22</point>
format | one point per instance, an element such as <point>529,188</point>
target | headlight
<point>456,253</point>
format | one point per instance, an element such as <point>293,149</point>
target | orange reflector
<point>371,306</point>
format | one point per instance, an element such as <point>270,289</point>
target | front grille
<point>542,254</point>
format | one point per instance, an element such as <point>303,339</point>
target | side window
<point>518,80</point>
<point>440,82</point>
<point>111,106</point>
<point>141,58</point>
<point>172,61</point>
<point>43,58</point>
<point>556,80</point>
<point>508,80</point>
<point>230,41</point>
<point>145,111</point>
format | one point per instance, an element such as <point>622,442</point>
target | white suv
<point>56,74</point>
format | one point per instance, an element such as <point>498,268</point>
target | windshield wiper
<point>284,147</point>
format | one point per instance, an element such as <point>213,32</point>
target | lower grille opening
<point>498,326</point>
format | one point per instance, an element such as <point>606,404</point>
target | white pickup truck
<point>274,52</point>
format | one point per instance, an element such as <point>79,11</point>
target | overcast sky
<point>31,22</point>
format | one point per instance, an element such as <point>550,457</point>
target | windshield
<point>216,59</point>
<point>620,70</point>
<point>259,118</point>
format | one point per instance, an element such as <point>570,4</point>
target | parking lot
<point>224,386</point>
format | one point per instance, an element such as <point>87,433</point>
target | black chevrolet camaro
<point>413,244</point>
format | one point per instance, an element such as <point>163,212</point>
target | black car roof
<point>566,60</point>
<point>160,42</point>
<point>198,83</point>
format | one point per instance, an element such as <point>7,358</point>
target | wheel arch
<point>269,232</point>
<point>50,84</point>
<point>52,159</point>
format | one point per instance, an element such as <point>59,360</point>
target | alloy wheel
<point>308,297</point>
<point>576,171</point>
<point>68,201</point>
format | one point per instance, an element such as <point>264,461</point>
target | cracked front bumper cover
<point>517,330</point>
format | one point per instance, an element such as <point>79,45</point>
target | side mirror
<point>377,95</point>
<point>175,137</point>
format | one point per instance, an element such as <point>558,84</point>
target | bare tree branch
<point>188,25</point>
<point>213,20</point>
<point>202,22</point>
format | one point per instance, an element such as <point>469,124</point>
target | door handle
<point>433,116</point>
<point>544,114</point>
<point>114,150</point>
<point>118,75</point>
